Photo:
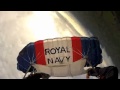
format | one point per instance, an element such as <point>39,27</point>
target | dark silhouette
<point>110,72</point>
<point>38,76</point>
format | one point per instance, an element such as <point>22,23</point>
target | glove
<point>93,72</point>
<point>38,76</point>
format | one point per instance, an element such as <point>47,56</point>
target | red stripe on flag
<point>39,52</point>
<point>77,48</point>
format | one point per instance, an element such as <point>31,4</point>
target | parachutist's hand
<point>45,76</point>
<point>38,76</point>
<point>92,72</point>
<point>34,76</point>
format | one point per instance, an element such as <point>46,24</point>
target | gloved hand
<point>38,76</point>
